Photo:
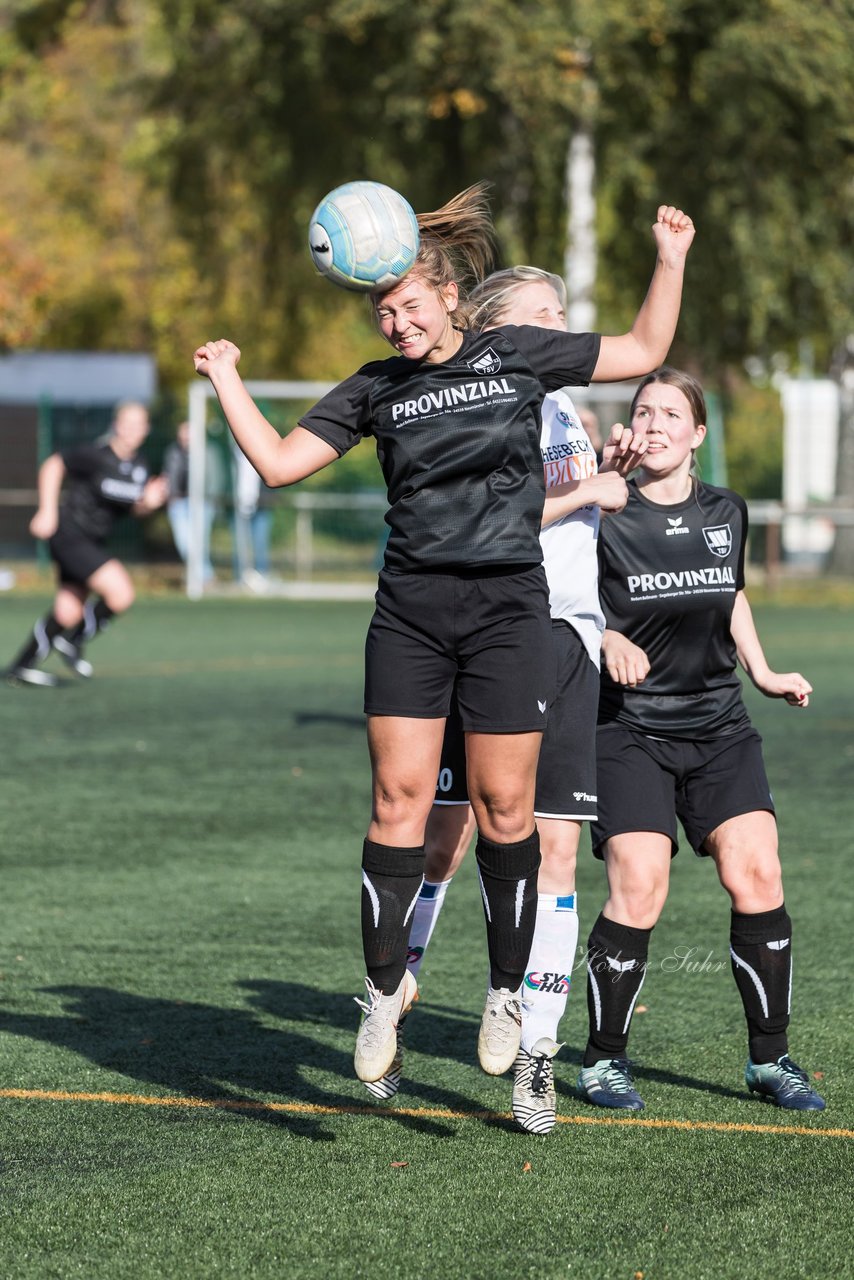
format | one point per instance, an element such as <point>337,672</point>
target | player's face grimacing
<point>536,304</point>
<point>415,318</point>
<point>663,415</point>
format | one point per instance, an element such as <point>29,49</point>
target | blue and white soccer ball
<point>363,236</point>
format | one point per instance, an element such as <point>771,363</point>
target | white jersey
<point>569,545</point>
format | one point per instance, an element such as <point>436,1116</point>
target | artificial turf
<point>179,924</point>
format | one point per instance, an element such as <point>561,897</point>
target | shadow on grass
<point>222,1056</point>
<point>641,1073</point>
<point>437,1031</point>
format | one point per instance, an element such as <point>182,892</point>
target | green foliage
<point>164,157</point>
<point>754,441</point>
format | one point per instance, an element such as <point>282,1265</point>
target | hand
<point>624,450</point>
<point>673,232</point>
<point>44,524</point>
<point>611,491</point>
<point>625,662</point>
<point>215,355</point>
<point>155,493</point>
<point>792,686</point>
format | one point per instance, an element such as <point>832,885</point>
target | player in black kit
<point>462,596</point>
<point>102,481</point>
<point>674,739</point>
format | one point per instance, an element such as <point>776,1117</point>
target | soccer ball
<point>363,236</point>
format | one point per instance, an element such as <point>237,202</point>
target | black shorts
<point>487,635</point>
<point>76,556</point>
<point>646,783</point>
<point>566,772</point>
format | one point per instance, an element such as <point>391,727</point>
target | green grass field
<point>179,951</point>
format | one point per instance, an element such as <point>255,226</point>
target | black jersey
<point>668,577</point>
<point>459,442</point>
<point>99,488</point>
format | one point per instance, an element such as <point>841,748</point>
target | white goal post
<point>198,394</point>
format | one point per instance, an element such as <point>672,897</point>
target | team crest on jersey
<point>719,539</point>
<point>486,362</point>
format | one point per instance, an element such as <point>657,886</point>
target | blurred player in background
<point>675,739</point>
<point>98,483</point>
<point>462,601</point>
<point>576,493</point>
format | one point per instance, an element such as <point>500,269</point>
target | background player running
<point>674,739</point>
<point>463,596</point>
<point>98,483</point>
<point>566,772</point>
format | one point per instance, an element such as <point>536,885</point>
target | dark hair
<point>684,382</point>
<point>457,246</point>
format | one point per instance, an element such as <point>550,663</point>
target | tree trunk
<point>842,557</point>
<point>580,258</point>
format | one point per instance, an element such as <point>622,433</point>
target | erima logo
<point>542,706</point>
<point>434,401</point>
<point>675,527</point>
<point>649,582</point>
<point>719,539</point>
<point>621,966</point>
<point>582,795</point>
<point>778,946</point>
<point>487,362</point>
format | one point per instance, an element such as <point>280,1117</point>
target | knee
<point>68,613</point>
<point>754,884</point>
<point>637,903</point>
<point>503,820</point>
<point>557,867</point>
<point>399,801</point>
<point>120,598</point>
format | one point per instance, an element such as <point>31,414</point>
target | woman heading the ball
<point>462,600</point>
<point>675,740</point>
<point>578,490</point>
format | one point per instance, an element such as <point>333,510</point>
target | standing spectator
<point>176,468</point>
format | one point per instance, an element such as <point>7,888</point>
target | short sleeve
<point>742,550</point>
<point>81,460</point>
<point>558,359</point>
<point>342,416</point>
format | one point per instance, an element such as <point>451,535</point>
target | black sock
<point>760,948</point>
<point>391,881</point>
<point>616,968</point>
<point>40,642</point>
<point>95,618</point>
<point>508,883</point>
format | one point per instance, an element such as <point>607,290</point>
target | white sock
<point>549,972</point>
<point>424,918</point>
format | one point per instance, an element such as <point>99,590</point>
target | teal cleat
<point>784,1084</point>
<point>608,1083</point>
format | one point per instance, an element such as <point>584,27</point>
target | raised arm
<point>792,686</point>
<point>278,460</point>
<point>51,475</point>
<point>647,343</point>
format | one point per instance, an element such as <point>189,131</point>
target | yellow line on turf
<point>426,1113</point>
